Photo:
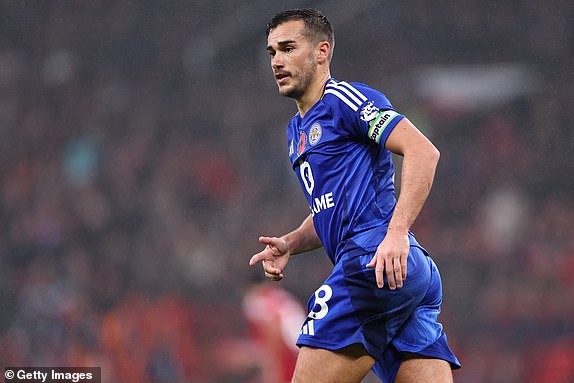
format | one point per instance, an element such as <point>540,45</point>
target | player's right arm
<point>278,249</point>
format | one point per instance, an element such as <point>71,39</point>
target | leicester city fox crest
<point>315,134</point>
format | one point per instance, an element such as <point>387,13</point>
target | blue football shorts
<point>349,308</point>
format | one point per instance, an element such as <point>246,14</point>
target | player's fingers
<point>373,262</point>
<point>379,270</point>
<point>269,267</point>
<point>398,272</point>
<point>254,259</point>
<point>277,246</point>
<point>273,277</point>
<point>390,271</point>
<point>271,271</point>
<point>271,241</point>
<point>266,240</point>
<point>261,256</point>
<point>404,264</point>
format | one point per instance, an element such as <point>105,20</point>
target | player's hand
<point>391,258</point>
<point>274,257</point>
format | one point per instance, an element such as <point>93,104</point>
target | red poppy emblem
<point>301,145</point>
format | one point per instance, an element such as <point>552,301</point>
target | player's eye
<point>271,53</point>
<point>288,49</point>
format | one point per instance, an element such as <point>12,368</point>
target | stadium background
<point>142,153</point>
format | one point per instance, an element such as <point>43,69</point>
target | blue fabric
<point>346,176</point>
<point>338,153</point>
<point>386,322</point>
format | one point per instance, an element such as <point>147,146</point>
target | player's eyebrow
<point>281,44</point>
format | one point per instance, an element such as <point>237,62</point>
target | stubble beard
<point>306,78</point>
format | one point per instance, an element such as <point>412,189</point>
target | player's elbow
<point>435,154</point>
<point>432,154</point>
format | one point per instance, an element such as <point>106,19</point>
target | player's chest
<point>313,135</point>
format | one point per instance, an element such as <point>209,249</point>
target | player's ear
<point>323,52</point>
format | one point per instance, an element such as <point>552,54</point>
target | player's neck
<point>313,94</point>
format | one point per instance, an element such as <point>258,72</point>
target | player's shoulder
<point>351,95</point>
<point>343,93</point>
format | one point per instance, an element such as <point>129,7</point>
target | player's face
<point>292,58</point>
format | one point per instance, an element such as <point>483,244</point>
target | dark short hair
<point>318,28</point>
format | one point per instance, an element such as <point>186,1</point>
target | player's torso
<point>334,168</point>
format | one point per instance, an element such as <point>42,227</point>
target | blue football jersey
<point>338,153</point>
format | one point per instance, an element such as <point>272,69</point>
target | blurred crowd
<point>143,153</point>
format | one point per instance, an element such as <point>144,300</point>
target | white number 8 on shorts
<point>321,301</point>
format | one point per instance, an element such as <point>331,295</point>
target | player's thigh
<point>418,369</point>
<point>348,365</point>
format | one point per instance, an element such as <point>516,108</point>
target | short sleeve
<point>378,123</point>
<point>369,111</point>
<point>376,116</point>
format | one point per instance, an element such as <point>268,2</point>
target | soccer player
<point>370,312</point>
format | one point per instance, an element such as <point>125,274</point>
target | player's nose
<point>276,62</point>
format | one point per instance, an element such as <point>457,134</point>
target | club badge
<point>315,134</point>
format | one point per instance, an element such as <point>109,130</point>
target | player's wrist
<point>398,229</point>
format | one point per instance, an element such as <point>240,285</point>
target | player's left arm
<point>420,158</point>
